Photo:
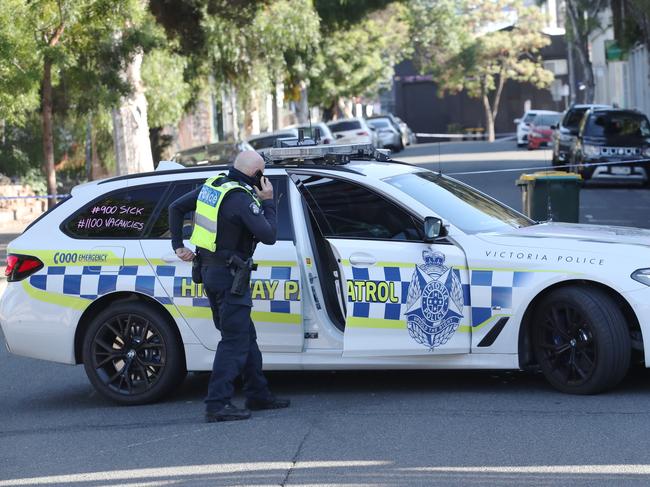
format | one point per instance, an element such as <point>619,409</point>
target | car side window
<point>160,227</point>
<point>347,210</point>
<point>120,214</point>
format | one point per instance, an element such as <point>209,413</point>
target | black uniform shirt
<point>240,222</point>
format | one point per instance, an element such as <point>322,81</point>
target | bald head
<point>249,162</point>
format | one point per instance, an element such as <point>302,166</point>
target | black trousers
<point>237,353</point>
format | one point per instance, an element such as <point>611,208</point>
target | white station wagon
<point>378,265</point>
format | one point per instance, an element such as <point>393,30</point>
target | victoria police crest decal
<point>434,306</point>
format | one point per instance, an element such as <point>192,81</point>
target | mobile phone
<point>258,179</point>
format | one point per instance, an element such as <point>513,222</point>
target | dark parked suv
<point>564,135</point>
<point>620,139</point>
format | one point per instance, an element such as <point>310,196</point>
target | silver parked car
<point>387,135</point>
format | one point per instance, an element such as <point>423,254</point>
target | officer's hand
<point>267,190</point>
<point>185,254</point>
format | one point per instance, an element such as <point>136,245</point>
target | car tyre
<point>581,340</point>
<point>133,354</point>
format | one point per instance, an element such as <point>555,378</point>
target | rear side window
<point>120,214</point>
<point>344,126</point>
<point>347,210</point>
<point>574,117</point>
<point>160,225</point>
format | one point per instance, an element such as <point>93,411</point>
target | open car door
<point>403,296</point>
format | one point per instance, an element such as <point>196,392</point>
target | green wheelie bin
<point>551,196</point>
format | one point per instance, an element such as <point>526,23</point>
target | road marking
<point>185,471</point>
<point>623,469</point>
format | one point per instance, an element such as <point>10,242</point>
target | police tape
<point>544,168</point>
<point>504,135</point>
<point>46,196</point>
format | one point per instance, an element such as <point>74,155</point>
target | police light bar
<point>321,151</point>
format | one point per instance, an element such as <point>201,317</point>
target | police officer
<point>232,213</point>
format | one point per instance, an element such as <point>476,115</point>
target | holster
<point>241,270</point>
<point>196,268</point>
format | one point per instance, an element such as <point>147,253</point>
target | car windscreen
<point>529,117</point>
<point>265,142</point>
<point>311,131</point>
<point>573,117</point>
<point>547,120</point>
<point>220,153</point>
<point>379,123</point>
<point>345,125</point>
<point>611,124</point>
<point>468,209</point>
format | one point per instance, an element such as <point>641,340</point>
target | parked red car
<point>541,130</point>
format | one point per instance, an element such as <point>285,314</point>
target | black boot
<point>271,403</point>
<point>228,412</point>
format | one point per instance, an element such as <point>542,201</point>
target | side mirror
<point>338,136</point>
<point>553,127</point>
<point>374,129</point>
<point>517,120</point>
<point>433,228</point>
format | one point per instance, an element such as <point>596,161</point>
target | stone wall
<point>19,210</point>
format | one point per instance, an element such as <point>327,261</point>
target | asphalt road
<point>494,168</point>
<point>343,429</point>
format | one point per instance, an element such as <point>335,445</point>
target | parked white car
<point>524,123</point>
<point>377,265</point>
<point>353,131</point>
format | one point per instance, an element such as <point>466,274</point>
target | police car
<point>378,265</point>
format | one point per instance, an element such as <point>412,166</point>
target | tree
<point>162,72</point>
<point>357,59</point>
<point>19,69</point>
<point>63,36</point>
<point>583,22</point>
<point>498,40</point>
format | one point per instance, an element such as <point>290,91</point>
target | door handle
<point>362,259</point>
<point>171,258</point>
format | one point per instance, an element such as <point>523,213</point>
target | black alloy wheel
<point>568,344</point>
<point>581,340</point>
<point>132,354</point>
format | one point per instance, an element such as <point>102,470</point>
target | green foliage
<point>343,14</point>
<point>21,150</point>
<point>166,90</point>
<point>357,60</point>
<point>473,54</point>
<point>19,69</point>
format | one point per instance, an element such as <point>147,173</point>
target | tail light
<point>21,266</point>
<point>362,133</point>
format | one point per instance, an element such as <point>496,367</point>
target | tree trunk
<point>489,116</point>
<point>130,127</point>
<point>48,137</point>
<point>96,171</point>
<point>581,44</point>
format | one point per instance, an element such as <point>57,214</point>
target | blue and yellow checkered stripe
<point>161,281</point>
<point>488,292</point>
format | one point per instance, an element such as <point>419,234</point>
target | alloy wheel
<point>128,353</point>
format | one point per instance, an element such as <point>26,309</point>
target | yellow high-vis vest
<point>214,190</point>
